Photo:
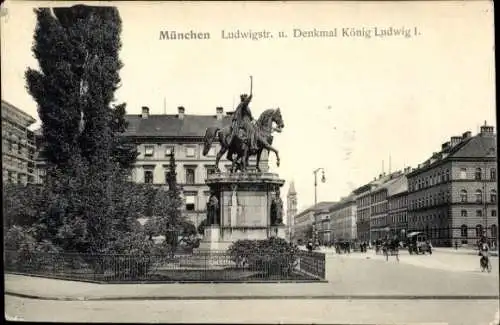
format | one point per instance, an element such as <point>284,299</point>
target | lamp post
<point>323,179</point>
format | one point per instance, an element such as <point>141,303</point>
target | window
<point>190,176</point>
<point>149,151</point>
<point>441,177</point>
<point>168,151</point>
<point>493,196</point>
<point>210,170</point>
<point>463,231</point>
<point>148,176</point>
<point>479,213</point>
<point>477,174</point>
<point>463,196</point>
<point>479,230</point>
<point>463,173</point>
<point>494,231</point>
<point>493,213</point>
<point>493,174</point>
<point>463,213</point>
<point>447,174</point>
<point>479,196</point>
<point>190,201</point>
<point>190,152</point>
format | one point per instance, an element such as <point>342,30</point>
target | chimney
<point>466,135</point>
<point>486,130</point>
<point>180,112</point>
<point>455,140</point>
<point>445,146</point>
<point>145,112</point>
<point>220,112</point>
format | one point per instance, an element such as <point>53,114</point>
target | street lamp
<point>323,179</point>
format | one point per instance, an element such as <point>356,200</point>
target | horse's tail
<point>210,134</point>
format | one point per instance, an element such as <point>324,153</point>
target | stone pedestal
<point>245,208</point>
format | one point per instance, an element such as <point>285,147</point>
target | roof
<point>172,126</point>
<point>318,207</point>
<point>29,119</point>
<point>399,185</point>
<point>480,146</point>
<point>476,147</point>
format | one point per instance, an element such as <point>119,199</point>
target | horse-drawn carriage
<point>417,243</point>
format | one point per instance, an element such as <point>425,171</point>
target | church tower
<point>291,208</point>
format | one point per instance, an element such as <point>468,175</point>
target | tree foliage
<point>77,50</point>
<point>89,206</point>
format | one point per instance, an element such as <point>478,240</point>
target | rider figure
<point>242,118</point>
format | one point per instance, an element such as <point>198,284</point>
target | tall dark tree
<point>55,88</point>
<point>90,205</point>
<point>77,49</point>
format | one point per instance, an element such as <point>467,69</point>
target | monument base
<point>244,212</point>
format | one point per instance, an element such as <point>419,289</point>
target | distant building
<point>291,208</point>
<point>343,219</point>
<point>304,222</point>
<point>322,225</point>
<point>18,146</point>
<point>385,205</point>
<point>397,199</point>
<point>452,196</point>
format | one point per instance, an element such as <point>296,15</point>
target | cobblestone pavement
<point>471,312</point>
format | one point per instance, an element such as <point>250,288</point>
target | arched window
<point>493,196</point>
<point>479,196</point>
<point>447,175</point>
<point>494,231</point>
<point>463,231</point>
<point>493,174</point>
<point>463,196</point>
<point>479,230</point>
<point>477,174</point>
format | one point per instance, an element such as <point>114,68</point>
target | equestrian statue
<point>245,137</point>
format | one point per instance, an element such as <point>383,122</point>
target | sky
<point>348,103</point>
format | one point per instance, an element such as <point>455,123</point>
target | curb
<point>267,297</point>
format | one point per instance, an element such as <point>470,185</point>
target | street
<point>469,312</point>
<point>363,288</point>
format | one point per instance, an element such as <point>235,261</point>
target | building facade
<point>388,209</point>
<point>397,198</point>
<point>304,223</point>
<point>343,219</point>
<point>291,209</point>
<point>322,225</point>
<point>156,136</point>
<point>18,146</point>
<point>452,196</point>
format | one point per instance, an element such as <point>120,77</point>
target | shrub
<point>272,256</point>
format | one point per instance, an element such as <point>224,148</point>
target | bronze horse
<point>239,145</point>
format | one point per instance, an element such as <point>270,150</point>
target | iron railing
<point>196,267</point>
